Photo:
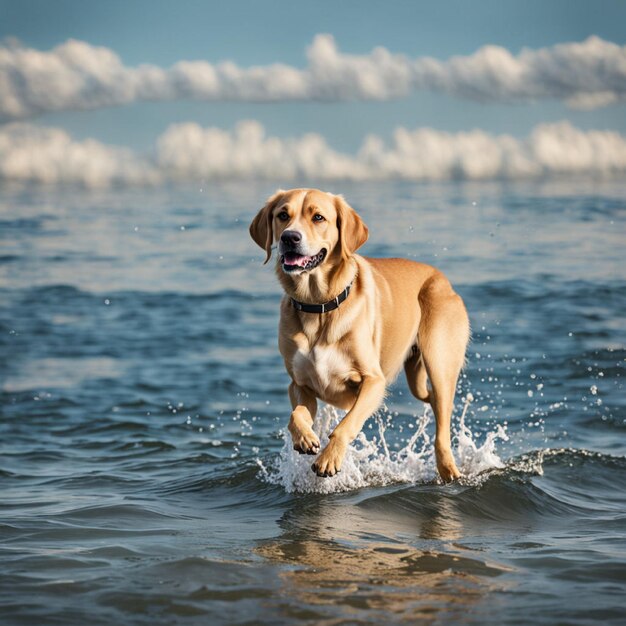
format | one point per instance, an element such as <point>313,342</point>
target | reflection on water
<point>346,558</point>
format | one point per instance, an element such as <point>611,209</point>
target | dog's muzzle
<point>292,257</point>
<point>294,261</point>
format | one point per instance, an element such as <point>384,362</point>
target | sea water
<point>145,472</point>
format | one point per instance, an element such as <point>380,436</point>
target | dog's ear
<point>353,232</point>
<point>261,228</point>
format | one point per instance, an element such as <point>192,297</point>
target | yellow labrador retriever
<point>348,324</point>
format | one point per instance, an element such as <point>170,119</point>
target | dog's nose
<point>291,238</point>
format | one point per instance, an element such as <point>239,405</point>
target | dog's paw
<point>329,462</point>
<point>446,466</point>
<point>305,441</point>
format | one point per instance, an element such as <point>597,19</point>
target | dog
<point>349,324</point>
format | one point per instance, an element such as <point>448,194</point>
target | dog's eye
<point>283,216</point>
<point>318,218</point>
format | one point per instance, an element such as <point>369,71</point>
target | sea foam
<point>370,461</point>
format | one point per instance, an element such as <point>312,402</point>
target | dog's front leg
<point>304,408</point>
<point>370,397</point>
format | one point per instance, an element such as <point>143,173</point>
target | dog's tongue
<point>291,258</point>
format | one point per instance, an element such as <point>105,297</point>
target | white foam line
<point>371,463</point>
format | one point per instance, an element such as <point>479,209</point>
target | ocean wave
<point>371,463</point>
<point>549,288</point>
<point>60,293</point>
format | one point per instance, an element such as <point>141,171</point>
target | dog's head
<point>309,226</point>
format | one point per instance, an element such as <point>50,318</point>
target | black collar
<point>331,305</point>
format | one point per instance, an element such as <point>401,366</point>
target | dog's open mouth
<point>292,261</point>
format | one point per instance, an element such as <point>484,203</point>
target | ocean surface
<point>144,474</point>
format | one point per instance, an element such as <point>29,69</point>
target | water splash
<point>473,459</point>
<point>370,462</point>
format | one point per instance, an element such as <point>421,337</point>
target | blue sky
<point>257,33</point>
<point>252,33</point>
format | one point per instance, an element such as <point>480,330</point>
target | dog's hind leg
<point>416,376</point>
<point>443,335</point>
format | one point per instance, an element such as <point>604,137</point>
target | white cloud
<point>593,69</point>
<point>49,155</point>
<point>188,152</point>
<point>77,75</point>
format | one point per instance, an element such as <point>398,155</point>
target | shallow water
<point>143,470</point>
